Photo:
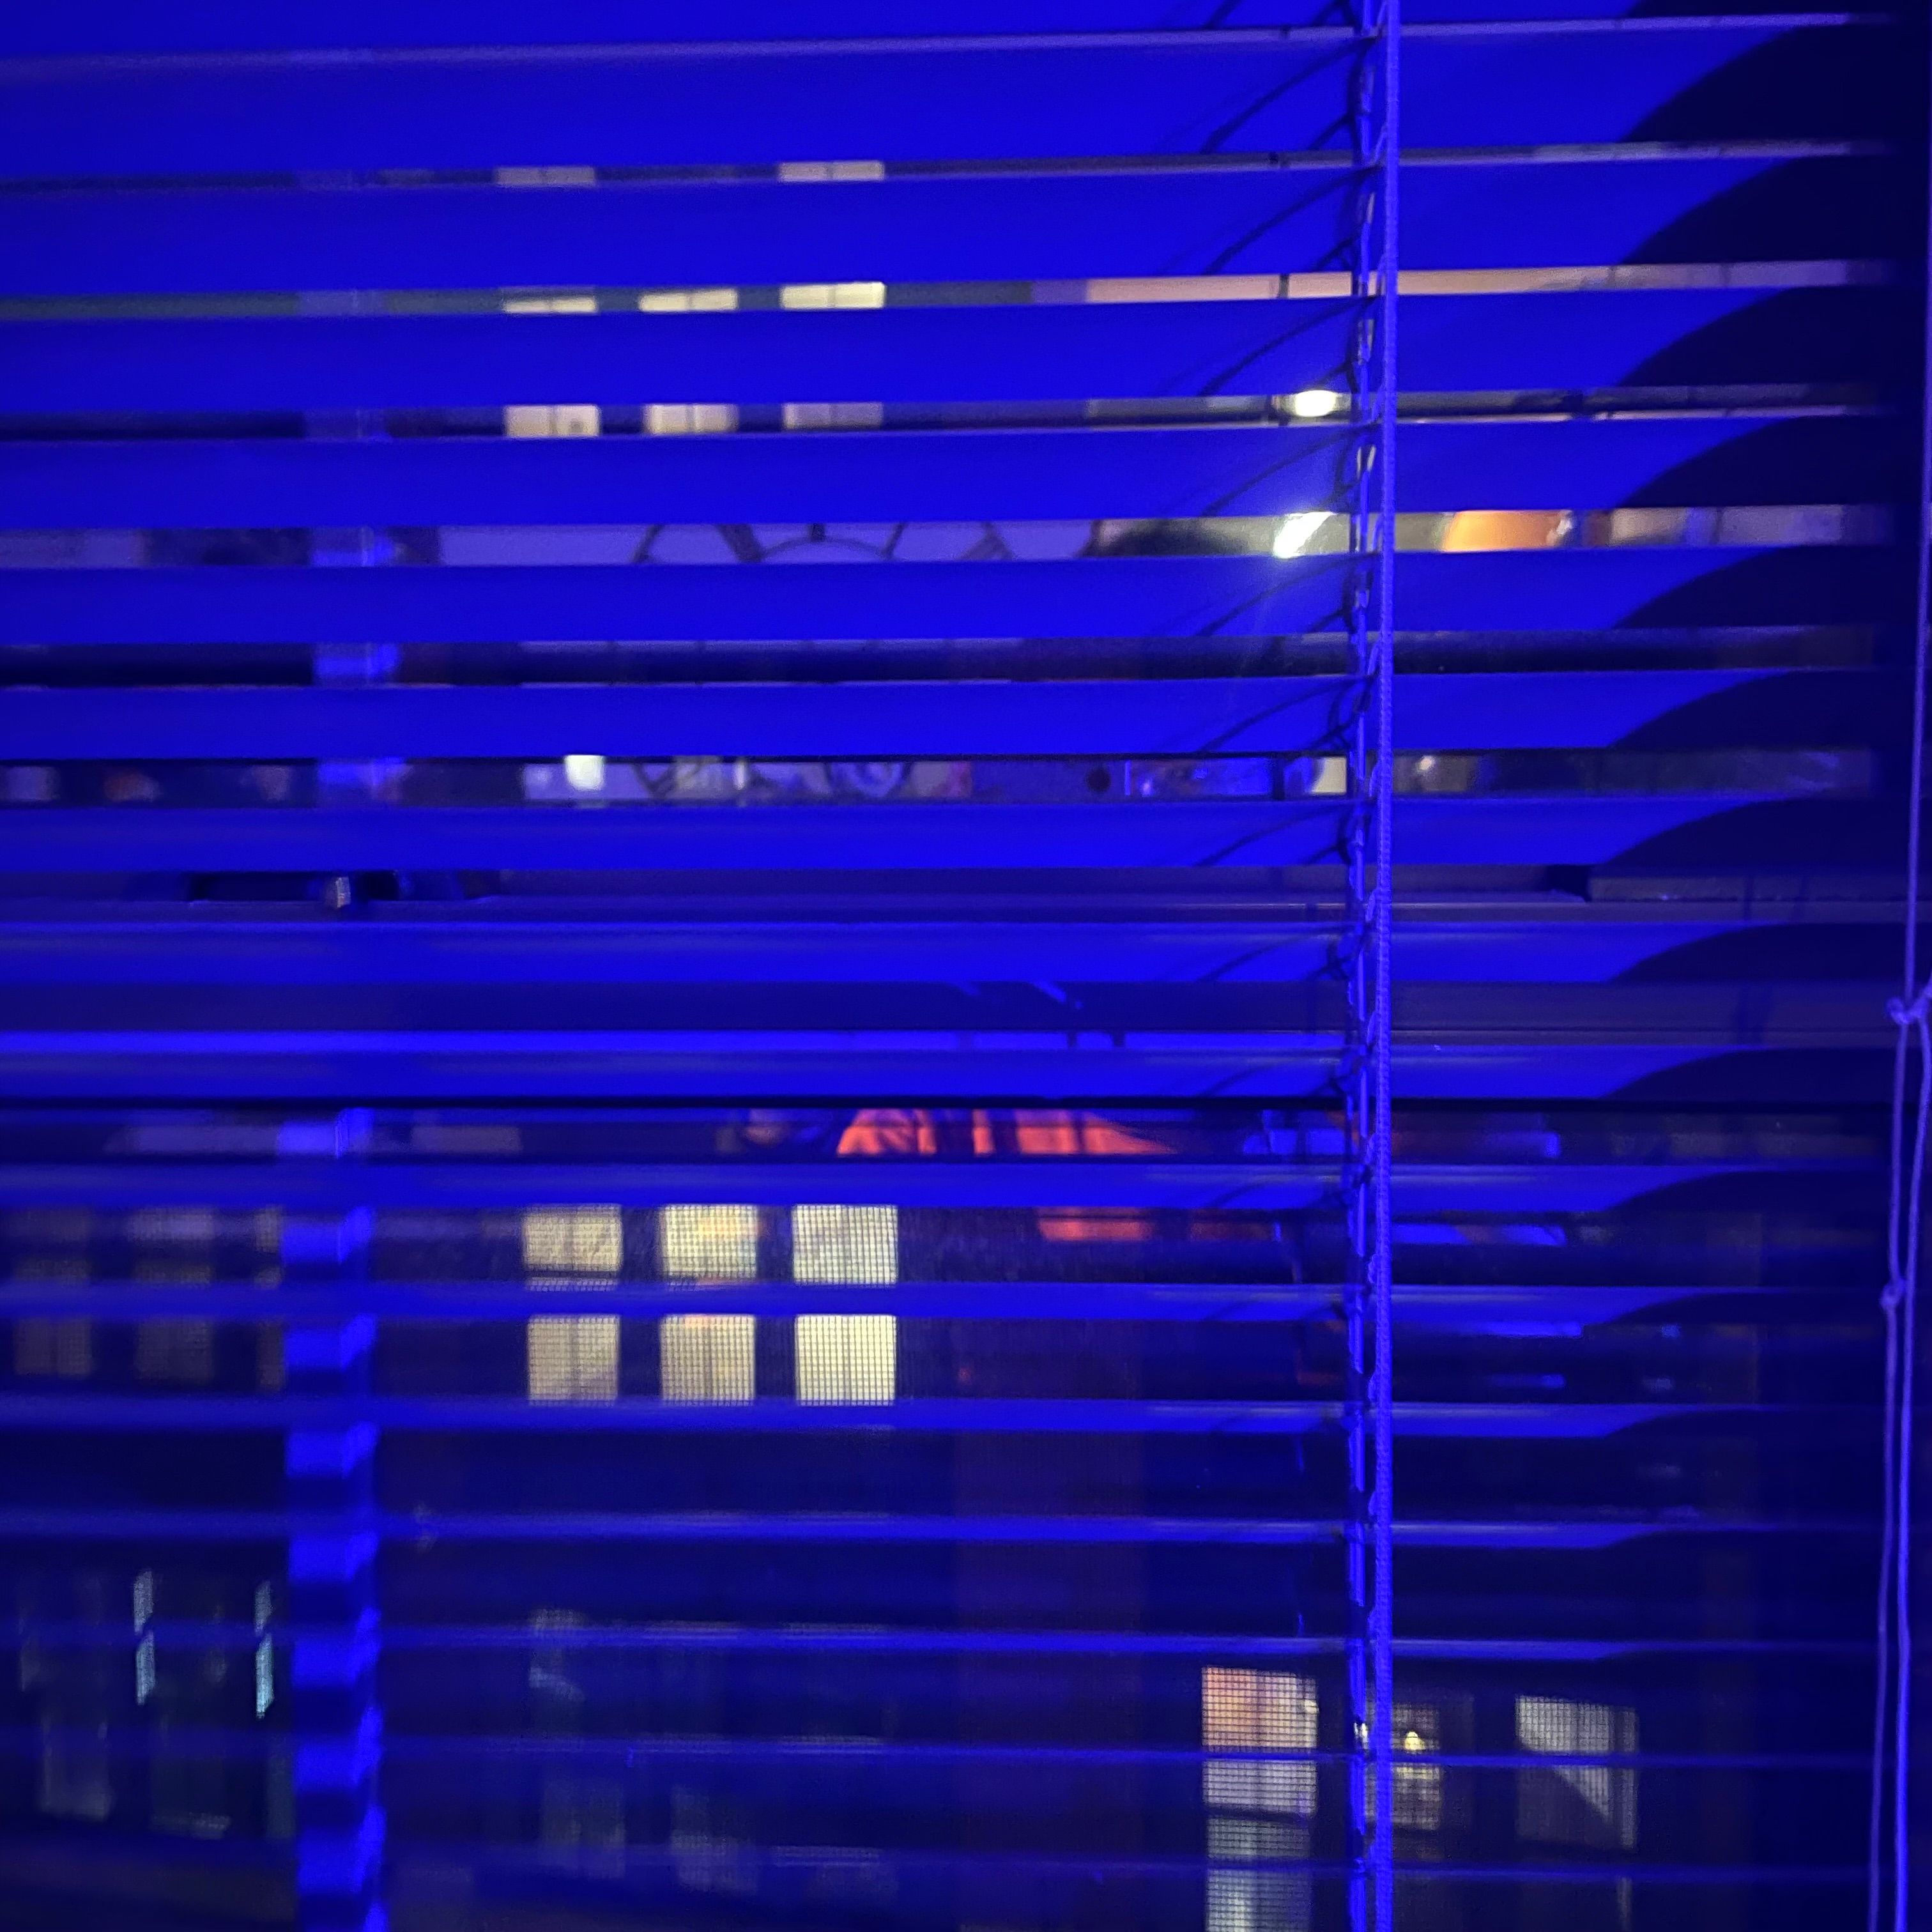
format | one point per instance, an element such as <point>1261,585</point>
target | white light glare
<point>583,771</point>
<point>1312,404</point>
<point>1297,532</point>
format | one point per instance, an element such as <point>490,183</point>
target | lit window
<point>847,1358</point>
<point>1258,1710</point>
<point>842,1246</point>
<point>540,419</point>
<point>1417,1731</point>
<point>585,1242</point>
<point>1258,1901</point>
<point>831,171</point>
<point>687,302</point>
<point>690,418</point>
<point>528,419</point>
<point>707,1357</point>
<point>572,1358</point>
<point>1576,1804</point>
<point>709,1242</point>
<point>832,294</point>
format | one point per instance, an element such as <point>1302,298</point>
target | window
<point>1258,1710</point>
<point>708,1357</point>
<point>846,1357</point>
<point>572,1358</point>
<point>1577,1803</point>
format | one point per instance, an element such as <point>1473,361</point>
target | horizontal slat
<point>1534,213</point>
<point>1574,1188</point>
<point>1570,340</point>
<point>125,26</point>
<point>476,1526</point>
<point>594,1640</point>
<point>1521,829</point>
<point>1197,716</point>
<point>111,1064</point>
<point>1429,1307</point>
<point>1254,91</point>
<point>166,950</point>
<point>862,476</point>
<point>1121,597</point>
<point>940,1017</point>
<point>922,1414</point>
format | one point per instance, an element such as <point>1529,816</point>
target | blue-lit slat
<point>165,1527</point>
<point>166,948</point>
<point>945,228</point>
<point>1559,1187</point>
<point>1579,340</point>
<point>1176,94</point>
<point>863,475</point>
<point>1523,829</point>
<point>325,1065</point>
<point>513,1415</point>
<point>122,26</point>
<point>952,718</point>
<point>1121,597</point>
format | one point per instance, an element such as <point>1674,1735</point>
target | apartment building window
<point>572,1358</point>
<point>708,1357</point>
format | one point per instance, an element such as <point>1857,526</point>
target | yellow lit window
<point>846,1357</point>
<point>571,1357</point>
<point>1258,1710</point>
<point>840,1246</point>
<point>708,1357</point>
<point>832,294</point>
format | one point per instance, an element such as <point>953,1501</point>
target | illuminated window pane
<point>1258,1901</point>
<point>847,1358</point>
<point>572,1358</point>
<point>1259,1710</point>
<point>526,419</point>
<point>687,302</point>
<point>709,1243</point>
<point>1577,1803</point>
<point>1418,1729</point>
<point>842,1246</point>
<point>577,1241</point>
<point>706,1358</point>
<point>580,302</point>
<point>690,418</point>
<point>832,294</point>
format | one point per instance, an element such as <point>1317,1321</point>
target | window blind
<point>946,1241</point>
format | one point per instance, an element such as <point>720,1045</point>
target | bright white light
<point>1298,531</point>
<point>583,771</point>
<point>1312,404</point>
